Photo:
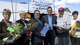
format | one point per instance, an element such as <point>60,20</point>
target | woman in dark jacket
<point>22,36</point>
<point>3,26</point>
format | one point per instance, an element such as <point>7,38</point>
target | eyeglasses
<point>49,10</point>
<point>37,13</point>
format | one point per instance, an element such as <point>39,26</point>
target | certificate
<point>61,31</point>
<point>45,29</point>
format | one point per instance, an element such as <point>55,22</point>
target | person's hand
<point>12,34</point>
<point>60,28</point>
<point>18,36</point>
<point>42,35</point>
<point>69,32</point>
<point>29,34</point>
<point>45,23</point>
<point>75,28</point>
<point>48,29</point>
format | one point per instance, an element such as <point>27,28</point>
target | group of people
<point>38,38</point>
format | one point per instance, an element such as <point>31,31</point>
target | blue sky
<point>18,1</point>
<point>73,6</point>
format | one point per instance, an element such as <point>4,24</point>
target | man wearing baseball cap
<point>63,21</point>
<point>61,9</point>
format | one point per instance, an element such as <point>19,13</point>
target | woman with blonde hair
<point>22,21</point>
<point>3,26</point>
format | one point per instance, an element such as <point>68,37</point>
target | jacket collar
<point>3,22</point>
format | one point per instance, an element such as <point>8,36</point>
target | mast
<point>12,9</point>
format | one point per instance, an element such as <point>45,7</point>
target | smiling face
<point>37,14</point>
<point>75,16</point>
<point>23,16</point>
<point>6,16</point>
<point>49,11</point>
<point>61,13</point>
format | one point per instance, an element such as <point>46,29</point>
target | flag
<point>28,15</point>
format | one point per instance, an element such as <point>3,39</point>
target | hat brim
<point>61,10</point>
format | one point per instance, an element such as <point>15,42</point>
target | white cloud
<point>71,1</point>
<point>74,2</point>
<point>59,3</point>
<point>63,3</point>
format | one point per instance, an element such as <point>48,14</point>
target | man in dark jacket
<point>49,19</point>
<point>37,37</point>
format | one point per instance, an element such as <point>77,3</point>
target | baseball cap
<point>61,9</point>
